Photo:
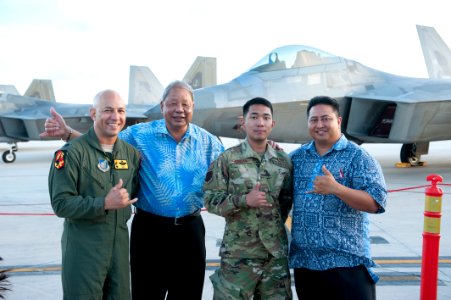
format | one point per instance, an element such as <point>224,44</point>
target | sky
<point>87,46</point>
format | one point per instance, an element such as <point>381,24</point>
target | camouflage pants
<point>242,279</point>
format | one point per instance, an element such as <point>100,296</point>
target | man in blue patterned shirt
<point>336,184</point>
<point>167,246</point>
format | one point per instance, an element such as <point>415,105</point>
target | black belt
<point>176,221</point>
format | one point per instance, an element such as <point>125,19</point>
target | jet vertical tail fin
<point>436,53</point>
<point>202,72</point>
<point>42,89</point>
<point>144,87</point>
<point>8,89</point>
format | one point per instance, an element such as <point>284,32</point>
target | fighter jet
<point>376,107</point>
<point>22,118</point>
<point>19,115</point>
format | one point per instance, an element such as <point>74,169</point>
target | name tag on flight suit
<point>120,164</point>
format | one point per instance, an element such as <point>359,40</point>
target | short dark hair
<point>324,100</point>
<point>254,101</point>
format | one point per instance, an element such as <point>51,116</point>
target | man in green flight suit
<point>250,186</point>
<point>90,182</point>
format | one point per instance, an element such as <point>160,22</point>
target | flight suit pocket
<point>84,222</point>
<point>89,177</point>
<point>126,215</point>
<point>127,178</point>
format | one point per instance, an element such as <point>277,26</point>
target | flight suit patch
<point>59,161</point>
<point>103,165</point>
<point>120,164</point>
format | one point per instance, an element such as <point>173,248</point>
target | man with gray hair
<point>167,249</point>
<point>92,180</point>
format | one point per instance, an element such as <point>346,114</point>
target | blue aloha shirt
<point>326,232</point>
<point>172,174</point>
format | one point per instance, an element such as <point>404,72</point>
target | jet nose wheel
<point>9,156</point>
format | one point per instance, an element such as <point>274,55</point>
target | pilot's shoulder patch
<point>59,159</point>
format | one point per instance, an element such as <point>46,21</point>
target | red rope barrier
<point>26,214</point>
<point>408,188</point>
<point>415,187</point>
<point>203,209</point>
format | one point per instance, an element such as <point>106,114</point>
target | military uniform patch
<point>103,165</point>
<point>240,161</point>
<point>59,161</point>
<point>120,164</point>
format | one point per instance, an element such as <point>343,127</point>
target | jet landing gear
<point>411,153</point>
<point>9,156</point>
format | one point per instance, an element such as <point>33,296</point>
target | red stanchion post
<point>431,238</point>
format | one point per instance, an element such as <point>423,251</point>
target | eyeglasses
<point>324,120</point>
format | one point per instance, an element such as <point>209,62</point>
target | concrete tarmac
<point>30,233</point>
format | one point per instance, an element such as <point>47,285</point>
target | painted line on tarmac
<point>213,264</point>
<point>444,261</point>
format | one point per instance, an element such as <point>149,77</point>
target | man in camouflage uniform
<point>250,186</point>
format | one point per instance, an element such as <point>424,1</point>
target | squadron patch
<point>103,165</point>
<point>58,161</point>
<point>120,164</point>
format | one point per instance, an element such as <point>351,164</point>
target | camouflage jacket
<point>250,232</point>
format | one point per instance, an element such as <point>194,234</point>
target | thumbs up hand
<point>118,186</point>
<point>324,184</point>
<point>118,197</point>
<point>55,126</point>
<point>256,198</point>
